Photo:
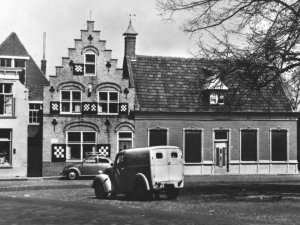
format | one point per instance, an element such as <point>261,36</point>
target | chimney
<point>44,61</point>
<point>130,41</point>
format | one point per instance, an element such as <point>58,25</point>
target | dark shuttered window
<point>192,146</point>
<point>157,137</point>
<point>279,145</point>
<point>249,145</point>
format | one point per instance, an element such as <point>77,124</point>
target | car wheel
<point>172,193</point>
<point>141,192</point>
<point>72,175</point>
<point>99,190</point>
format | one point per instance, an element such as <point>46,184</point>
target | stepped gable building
<point>177,103</point>
<point>21,100</point>
<point>87,105</point>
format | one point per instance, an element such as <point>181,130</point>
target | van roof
<point>150,148</point>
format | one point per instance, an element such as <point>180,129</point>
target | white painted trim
<point>14,57</point>
<point>35,102</point>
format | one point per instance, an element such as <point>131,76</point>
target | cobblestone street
<point>63,202</point>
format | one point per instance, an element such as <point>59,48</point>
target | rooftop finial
<point>90,14</point>
<point>130,30</point>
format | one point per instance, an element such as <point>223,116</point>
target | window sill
<point>7,117</point>
<point>6,167</point>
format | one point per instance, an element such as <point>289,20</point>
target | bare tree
<point>259,37</point>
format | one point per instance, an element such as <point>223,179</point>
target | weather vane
<point>130,15</point>
<point>91,15</point>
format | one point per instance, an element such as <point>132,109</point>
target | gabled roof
<point>12,46</point>
<point>170,84</point>
<point>35,79</point>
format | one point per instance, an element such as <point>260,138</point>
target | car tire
<point>72,175</point>
<point>172,193</point>
<point>141,192</point>
<point>99,190</point>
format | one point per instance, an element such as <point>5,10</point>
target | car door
<point>119,171</point>
<point>90,166</point>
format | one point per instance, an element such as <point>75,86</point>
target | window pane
<point>8,104</point>
<point>159,155</point>
<point>124,145</point>
<point>125,135</point>
<point>279,145</point>
<point>8,62</point>
<point>65,95</point>
<point>5,153</point>
<point>113,108</point>
<point>90,58</point>
<point>1,104</point>
<point>65,107</point>
<point>76,95</point>
<point>76,107</point>
<point>7,88</point>
<point>193,146</point>
<point>103,96</point>
<point>74,136</point>
<point>103,107</point>
<point>89,137</point>
<point>101,160</point>
<point>19,63</point>
<point>113,96</point>
<point>158,137</point>
<point>249,145</point>
<point>87,149</point>
<point>4,135</point>
<point>221,135</point>
<point>89,68</point>
<point>2,62</point>
<point>74,152</point>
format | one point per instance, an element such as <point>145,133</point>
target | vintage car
<point>142,172</point>
<point>88,167</point>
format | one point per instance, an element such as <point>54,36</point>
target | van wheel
<point>99,190</point>
<point>72,175</point>
<point>141,192</point>
<point>172,193</point>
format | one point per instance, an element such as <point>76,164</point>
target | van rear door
<point>175,164</point>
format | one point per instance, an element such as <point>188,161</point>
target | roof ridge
<point>171,57</point>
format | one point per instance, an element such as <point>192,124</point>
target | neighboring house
<point>21,100</point>
<point>86,106</point>
<point>219,130</point>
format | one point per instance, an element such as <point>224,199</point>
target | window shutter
<point>54,107</point>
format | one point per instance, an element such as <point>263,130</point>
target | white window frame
<point>71,101</point>
<point>12,101</point>
<point>81,143</point>
<point>202,143</point>
<point>124,139</point>
<point>108,102</point>
<point>35,110</point>
<point>228,140</point>
<point>89,63</point>
<point>257,143</point>
<point>287,142</point>
<point>214,98</point>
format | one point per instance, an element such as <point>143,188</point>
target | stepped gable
<point>171,84</point>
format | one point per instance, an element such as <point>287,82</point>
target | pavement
<point>58,182</point>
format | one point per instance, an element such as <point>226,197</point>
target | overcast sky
<point>62,21</point>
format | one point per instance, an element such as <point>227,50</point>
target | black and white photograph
<point>149,112</point>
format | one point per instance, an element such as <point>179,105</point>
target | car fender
<point>74,168</point>
<point>103,179</point>
<point>143,178</point>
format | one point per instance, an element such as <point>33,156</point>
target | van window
<point>174,155</point>
<point>159,155</point>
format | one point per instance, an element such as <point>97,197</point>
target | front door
<point>221,162</point>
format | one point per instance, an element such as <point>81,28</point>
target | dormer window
<point>216,98</point>
<point>90,64</point>
<point>20,63</point>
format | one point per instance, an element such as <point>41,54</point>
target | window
<point>216,98</point>
<point>5,62</point>
<point>125,140</point>
<point>108,102</point>
<point>249,145</point>
<point>90,64</point>
<point>6,99</point>
<point>19,63</point>
<point>35,113</point>
<point>193,146</point>
<point>6,144</point>
<point>158,137</point>
<point>80,144</point>
<point>71,102</point>
<point>279,145</point>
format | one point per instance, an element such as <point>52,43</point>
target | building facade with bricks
<point>180,102</point>
<point>21,100</point>
<point>87,105</point>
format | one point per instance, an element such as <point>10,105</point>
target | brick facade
<point>107,78</point>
